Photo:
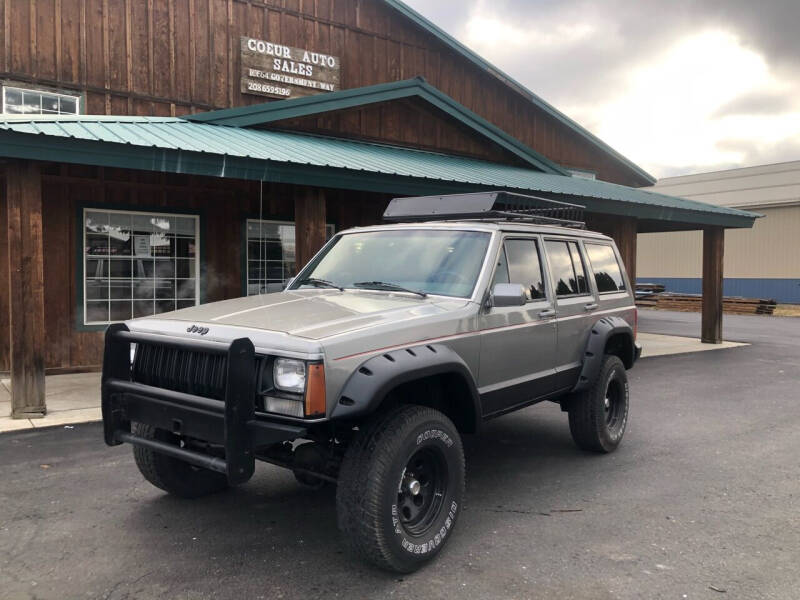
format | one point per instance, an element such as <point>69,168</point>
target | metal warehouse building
<point>761,263</point>
<point>156,155</point>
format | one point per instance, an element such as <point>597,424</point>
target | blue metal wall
<point>783,290</point>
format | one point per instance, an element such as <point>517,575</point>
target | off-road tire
<point>594,426</point>
<point>174,476</point>
<point>371,508</point>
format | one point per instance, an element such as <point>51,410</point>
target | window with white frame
<point>24,101</point>
<point>271,254</point>
<point>582,173</point>
<point>138,264</point>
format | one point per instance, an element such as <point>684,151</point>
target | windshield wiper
<point>383,285</point>
<point>319,283</point>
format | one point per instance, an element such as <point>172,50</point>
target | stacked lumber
<point>734,305</point>
<point>650,288</point>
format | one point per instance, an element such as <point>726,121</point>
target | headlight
<point>289,375</point>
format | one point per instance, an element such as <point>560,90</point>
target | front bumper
<point>230,423</point>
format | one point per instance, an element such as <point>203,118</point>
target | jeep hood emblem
<point>196,329</point>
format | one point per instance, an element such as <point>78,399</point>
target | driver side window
<point>519,262</point>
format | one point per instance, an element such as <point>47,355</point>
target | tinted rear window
<point>607,272</point>
<point>567,268</point>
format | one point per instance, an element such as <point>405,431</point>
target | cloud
<point>664,83</point>
<point>759,103</point>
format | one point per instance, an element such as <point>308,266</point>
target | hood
<point>314,314</point>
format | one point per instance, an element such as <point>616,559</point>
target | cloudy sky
<point>677,86</point>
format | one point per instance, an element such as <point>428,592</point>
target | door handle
<point>548,312</point>
<point>590,306</point>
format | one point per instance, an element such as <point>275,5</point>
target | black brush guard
<point>230,423</point>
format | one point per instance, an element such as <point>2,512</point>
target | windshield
<point>430,261</point>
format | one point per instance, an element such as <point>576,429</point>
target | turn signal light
<point>315,391</point>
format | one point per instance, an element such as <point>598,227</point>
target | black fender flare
<point>602,330</point>
<point>371,382</point>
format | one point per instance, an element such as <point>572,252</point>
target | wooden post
<point>713,254</point>
<point>309,216</point>
<point>25,288</point>
<point>624,235</point>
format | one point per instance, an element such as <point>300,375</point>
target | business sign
<point>279,71</point>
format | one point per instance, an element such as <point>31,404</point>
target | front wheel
<point>401,488</point>
<point>598,416</point>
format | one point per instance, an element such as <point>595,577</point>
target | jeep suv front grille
<point>188,371</point>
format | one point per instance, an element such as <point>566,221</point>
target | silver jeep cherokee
<point>393,342</point>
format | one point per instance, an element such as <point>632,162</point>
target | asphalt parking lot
<point>702,500</point>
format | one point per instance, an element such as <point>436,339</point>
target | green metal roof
<point>476,59</point>
<point>175,145</point>
<point>269,112</point>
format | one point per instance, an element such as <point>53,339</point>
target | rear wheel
<point>401,488</point>
<point>170,474</point>
<point>598,416</point>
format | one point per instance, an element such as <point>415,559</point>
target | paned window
<point>22,101</point>
<point>271,254</point>
<point>138,264</point>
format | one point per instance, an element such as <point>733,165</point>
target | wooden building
<point>161,153</point>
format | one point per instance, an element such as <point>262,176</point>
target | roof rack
<point>486,206</point>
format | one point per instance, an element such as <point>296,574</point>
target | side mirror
<point>508,294</point>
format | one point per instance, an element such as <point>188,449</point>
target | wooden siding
<point>409,122</point>
<point>163,57</point>
<point>224,205</point>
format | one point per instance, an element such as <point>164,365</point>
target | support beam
<point>713,254</point>
<point>624,235</point>
<point>309,215</point>
<point>4,329</point>
<point>25,288</point>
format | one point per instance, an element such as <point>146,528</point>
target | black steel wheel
<point>615,403</point>
<point>598,416</point>
<point>401,488</point>
<point>422,489</point>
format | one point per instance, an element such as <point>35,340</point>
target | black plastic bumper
<point>637,351</point>
<point>230,423</point>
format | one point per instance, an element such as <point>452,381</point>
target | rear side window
<point>521,258</point>
<point>567,267</point>
<point>607,272</point>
